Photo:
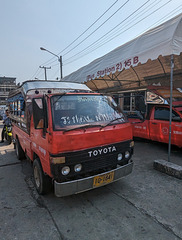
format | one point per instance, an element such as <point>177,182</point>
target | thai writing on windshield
<point>73,109</point>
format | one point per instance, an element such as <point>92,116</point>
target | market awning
<point>164,92</point>
<point>138,63</point>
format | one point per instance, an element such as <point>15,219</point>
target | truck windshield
<point>76,110</point>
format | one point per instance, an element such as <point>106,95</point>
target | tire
<point>19,151</point>
<point>42,182</point>
<point>9,139</point>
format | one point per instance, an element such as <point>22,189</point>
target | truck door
<point>139,125</point>
<point>39,135</point>
<point>159,126</point>
<point>140,129</point>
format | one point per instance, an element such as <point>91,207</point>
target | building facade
<point>6,85</point>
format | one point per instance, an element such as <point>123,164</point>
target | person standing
<point>6,122</point>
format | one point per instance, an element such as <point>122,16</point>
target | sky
<point>78,30</point>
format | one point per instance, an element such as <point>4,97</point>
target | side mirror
<point>176,119</point>
<point>38,114</point>
<point>141,117</point>
<point>134,114</point>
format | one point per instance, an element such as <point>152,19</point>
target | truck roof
<point>29,87</point>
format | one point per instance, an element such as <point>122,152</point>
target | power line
<point>109,31</point>
<point>116,35</point>
<point>89,27</point>
<point>98,27</point>
<point>167,16</point>
<point>55,73</point>
<point>84,31</point>
<point>87,30</point>
<point>140,20</point>
<point>94,30</point>
<point>35,74</point>
<point>104,39</point>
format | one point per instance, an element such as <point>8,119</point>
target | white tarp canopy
<point>137,61</point>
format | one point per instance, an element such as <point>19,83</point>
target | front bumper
<point>85,184</point>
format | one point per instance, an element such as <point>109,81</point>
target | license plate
<point>103,179</point>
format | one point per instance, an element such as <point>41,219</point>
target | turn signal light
<point>132,144</point>
<point>57,160</point>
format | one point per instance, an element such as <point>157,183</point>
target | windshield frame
<point>84,125</point>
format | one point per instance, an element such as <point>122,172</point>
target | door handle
<point>154,123</point>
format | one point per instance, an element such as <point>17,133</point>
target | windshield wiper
<point>58,98</point>
<point>111,122</point>
<point>83,126</point>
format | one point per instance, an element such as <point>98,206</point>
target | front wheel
<point>42,182</point>
<point>9,139</point>
<point>19,151</point>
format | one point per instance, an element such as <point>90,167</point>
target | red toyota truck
<point>155,125</point>
<point>75,138</point>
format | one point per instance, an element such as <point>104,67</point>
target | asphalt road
<point>146,205</point>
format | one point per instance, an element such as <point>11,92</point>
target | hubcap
<point>17,149</point>
<point>37,177</point>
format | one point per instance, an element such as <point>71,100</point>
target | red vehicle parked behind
<point>155,126</point>
<point>78,139</point>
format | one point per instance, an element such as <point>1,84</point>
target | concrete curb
<point>169,168</point>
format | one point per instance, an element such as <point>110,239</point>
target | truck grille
<point>93,160</point>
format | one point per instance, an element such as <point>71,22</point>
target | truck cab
<point>155,125</point>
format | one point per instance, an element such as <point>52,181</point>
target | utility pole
<point>45,68</point>
<point>61,66</point>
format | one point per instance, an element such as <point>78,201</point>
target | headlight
<point>65,170</point>
<point>120,156</point>
<point>78,168</point>
<point>127,154</point>
<point>9,129</point>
